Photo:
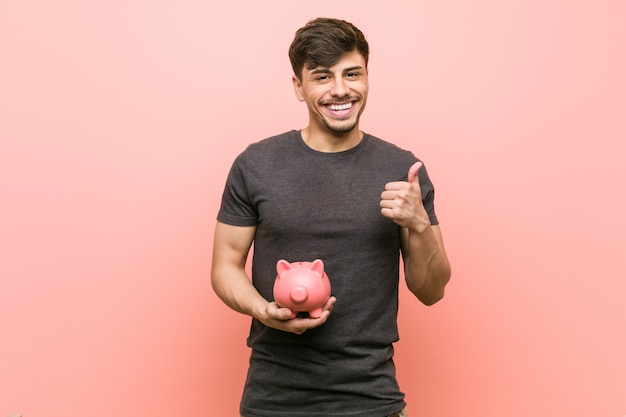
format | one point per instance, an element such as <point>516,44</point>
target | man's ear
<point>297,87</point>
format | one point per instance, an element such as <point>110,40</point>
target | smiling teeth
<point>337,107</point>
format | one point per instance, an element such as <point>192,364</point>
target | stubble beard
<point>340,130</point>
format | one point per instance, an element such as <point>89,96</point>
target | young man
<point>330,192</point>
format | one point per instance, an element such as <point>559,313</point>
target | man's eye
<point>322,78</point>
<point>352,74</point>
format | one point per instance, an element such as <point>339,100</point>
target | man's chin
<point>341,129</point>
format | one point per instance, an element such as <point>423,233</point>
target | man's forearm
<point>427,269</point>
<point>234,288</point>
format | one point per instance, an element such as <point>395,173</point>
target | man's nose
<point>339,87</point>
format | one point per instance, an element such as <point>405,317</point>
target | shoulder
<point>283,141</point>
<point>268,155</point>
<point>388,152</point>
<point>387,147</point>
<point>396,160</point>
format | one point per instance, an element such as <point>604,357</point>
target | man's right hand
<point>280,318</point>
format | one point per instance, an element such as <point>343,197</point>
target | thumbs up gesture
<point>401,201</point>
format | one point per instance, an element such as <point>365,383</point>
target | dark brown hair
<point>322,42</point>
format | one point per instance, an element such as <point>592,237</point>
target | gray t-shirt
<point>307,205</point>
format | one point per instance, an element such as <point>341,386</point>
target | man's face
<point>335,96</point>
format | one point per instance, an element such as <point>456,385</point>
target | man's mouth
<point>340,107</point>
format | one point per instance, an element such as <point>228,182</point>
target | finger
<point>279,313</point>
<point>330,303</point>
<point>395,186</point>
<point>387,203</point>
<point>300,325</point>
<point>413,171</point>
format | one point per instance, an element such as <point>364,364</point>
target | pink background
<point>119,120</point>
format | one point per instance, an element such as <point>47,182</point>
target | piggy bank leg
<point>316,314</point>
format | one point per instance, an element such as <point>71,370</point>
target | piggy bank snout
<point>299,294</point>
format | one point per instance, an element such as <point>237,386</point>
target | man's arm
<point>426,265</point>
<point>231,283</point>
<point>228,276</point>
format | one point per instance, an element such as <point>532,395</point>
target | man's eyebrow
<point>355,68</point>
<point>320,71</point>
<point>324,70</point>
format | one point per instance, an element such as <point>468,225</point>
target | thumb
<point>413,172</point>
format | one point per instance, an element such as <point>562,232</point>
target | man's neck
<point>331,142</point>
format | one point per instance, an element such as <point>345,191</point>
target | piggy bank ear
<point>282,266</point>
<point>318,266</point>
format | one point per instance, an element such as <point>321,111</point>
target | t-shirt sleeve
<point>237,207</point>
<point>428,195</point>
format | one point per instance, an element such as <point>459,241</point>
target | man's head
<point>323,41</point>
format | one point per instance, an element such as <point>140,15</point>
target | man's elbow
<point>430,298</point>
<point>434,291</point>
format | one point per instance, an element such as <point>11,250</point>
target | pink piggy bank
<point>302,287</point>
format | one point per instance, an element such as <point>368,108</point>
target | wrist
<point>258,310</point>
<point>420,225</point>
